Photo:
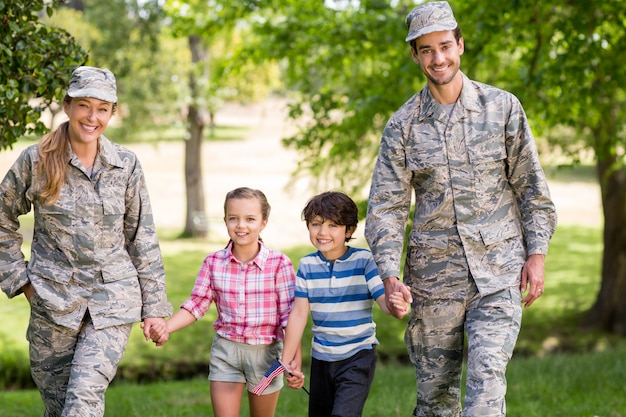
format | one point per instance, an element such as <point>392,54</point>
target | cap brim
<point>427,30</point>
<point>93,93</point>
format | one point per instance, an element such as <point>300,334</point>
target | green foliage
<point>349,70</point>
<point>146,63</point>
<point>199,17</point>
<point>37,61</point>
<point>225,74</point>
<point>561,59</point>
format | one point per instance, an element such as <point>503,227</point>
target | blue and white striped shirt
<point>341,296</point>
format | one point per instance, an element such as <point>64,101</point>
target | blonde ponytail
<point>53,149</point>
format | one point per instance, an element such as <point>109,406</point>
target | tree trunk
<point>196,224</point>
<point>609,310</point>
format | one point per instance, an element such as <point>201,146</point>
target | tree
<point>348,70</point>
<point>576,78</point>
<point>37,62</point>
<point>352,69</point>
<point>202,23</point>
<point>144,64</point>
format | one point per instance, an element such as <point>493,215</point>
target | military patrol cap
<point>434,16</point>
<point>93,82</point>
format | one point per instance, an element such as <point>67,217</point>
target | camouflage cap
<point>429,17</point>
<point>93,82</point>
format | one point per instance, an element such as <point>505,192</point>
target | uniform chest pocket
<point>486,146</point>
<point>113,200</point>
<point>113,195</point>
<point>425,151</point>
<point>487,155</point>
<point>60,214</point>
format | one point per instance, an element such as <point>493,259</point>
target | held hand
<point>159,337</point>
<point>393,284</point>
<point>295,378</point>
<point>155,329</point>
<point>400,306</point>
<point>533,276</point>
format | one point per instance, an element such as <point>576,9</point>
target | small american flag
<point>276,369</point>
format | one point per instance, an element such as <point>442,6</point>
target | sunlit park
<point>291,97</point>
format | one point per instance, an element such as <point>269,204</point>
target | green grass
<point>581,385</point>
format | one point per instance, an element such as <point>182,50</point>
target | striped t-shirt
<point>341,296</point>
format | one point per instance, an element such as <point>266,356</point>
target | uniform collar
<point>107,154</point>
<point>468,100</point>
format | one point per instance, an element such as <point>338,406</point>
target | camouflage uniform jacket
<point>96,248</point>
<point>476,175</point>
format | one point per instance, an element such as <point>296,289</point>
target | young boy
<point>339,284</point>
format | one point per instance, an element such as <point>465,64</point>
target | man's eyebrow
<point>430,46</point>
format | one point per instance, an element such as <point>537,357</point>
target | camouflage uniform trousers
<point>446,306</point>
<point>73,368</point>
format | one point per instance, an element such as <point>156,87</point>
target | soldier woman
<point>95,265</point>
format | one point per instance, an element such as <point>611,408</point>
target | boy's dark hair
<point>334,206</point>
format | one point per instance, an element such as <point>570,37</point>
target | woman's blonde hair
<point>52,166</point>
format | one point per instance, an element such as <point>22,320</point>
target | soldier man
<point>482,223</point>
<point>95,265</point>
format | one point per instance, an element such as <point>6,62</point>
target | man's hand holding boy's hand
<point>398,304</point>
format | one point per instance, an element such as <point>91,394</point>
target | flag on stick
<point>290,374</point>
<point>276,369</point>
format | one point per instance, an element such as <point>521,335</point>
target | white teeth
<point>90,128</point>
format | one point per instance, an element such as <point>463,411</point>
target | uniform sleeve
<point>389,201</point>
<point>14,203</point>
<point>528,182</point>
<point>143,247</point>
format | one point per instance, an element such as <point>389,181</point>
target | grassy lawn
<point>580,385</point>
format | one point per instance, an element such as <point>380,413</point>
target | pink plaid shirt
<point>253,300</point>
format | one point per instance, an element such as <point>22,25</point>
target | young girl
<point>252,287</point>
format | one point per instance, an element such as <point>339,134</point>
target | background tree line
<point>346,67</point>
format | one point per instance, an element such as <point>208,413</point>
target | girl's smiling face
<point>244,220</point>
